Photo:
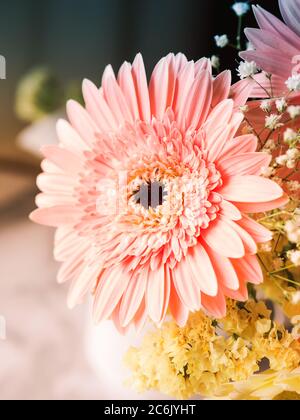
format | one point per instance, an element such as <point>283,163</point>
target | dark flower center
<point>150,194</point>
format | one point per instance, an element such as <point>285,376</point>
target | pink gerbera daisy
<point>277,52</point>
<point>276,48</point>
<point>191,244</point>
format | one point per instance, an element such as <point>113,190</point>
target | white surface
<point>39,134</point>
<point>51,352</point>
<point>43,356</point>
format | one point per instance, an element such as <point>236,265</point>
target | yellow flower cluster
<point>280,259</point>
<point>204,355</point>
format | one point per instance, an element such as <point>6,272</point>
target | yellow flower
<point>206,354</point>
<point>267,386</point>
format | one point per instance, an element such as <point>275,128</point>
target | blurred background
<point>62,42</point>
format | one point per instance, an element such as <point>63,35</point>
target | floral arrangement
<point>177,203</point>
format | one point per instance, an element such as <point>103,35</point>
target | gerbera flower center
<point>150,194</point>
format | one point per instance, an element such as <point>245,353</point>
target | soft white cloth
<point>43,356</point>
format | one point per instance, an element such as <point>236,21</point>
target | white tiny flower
<point>289,135</point>
<point>296,298</point>
<point>292,228</point>
<point>273,122</point>
<point>281,160</point>
<point>294,111</point>
<point>296,319</point>
<point>266,105</point>
<point>270,145</point>
<point>281,105</point>
<point>293,83</point>
<point>244,109</point>
<point>296,332</point>
<point>293,186</point>
<point>221,40</point>
<point>247,69</point>
<point>267,171</point>
<point>215,61</point>
<point>266,247</point>
<point>241,8</point>
<point>294,257</point>
<point>293,153</point>
<point>291,164</point>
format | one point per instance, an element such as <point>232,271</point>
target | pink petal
<point>66,242</point>
<point>224,270</point>
<point>112,284</point>
<point>250,188</point>
<point>217,141</point>
<point>185,80</point>
<point>244,164</point>
<point>257,231</point>
<point>239,145</point>
<point>115,98</point>
<point>56,216</point>
<point>115,318</point>
<point>202,269</point>
<point>263,88</point>
<point>220,115</point>
<point>203,64</point>
<point>141,87</point>
<point>240,92</point>
<point>173,73</point>
<point>71,269</point>
<point>271,23</point>
<point>51,200</point>
<point>229,210</point>
<point>248,242</point>
<point>97,107</point>
<point>186,288</point>
<point>133,296</point>
<point>180,62</point>
<point>221,87</point>
<point>158,292</point>
<point>215,306</point>
<point>178,310</point>
<point>82,122</point>
<point>264,206</point>
<point>199,100</point>
<point>290,10</point>
<point>235,123</point>
<point>127,86</point>
<point>248,269</point>
<point>261,39</point>
<point>223,239</point>
<point>140,317</point>
<point>158,89</point>
<point>57,184</point>
<point>167,294</point>
<point>240,295</point>
<point>83,284</point>
<point>50,167</point>
<point>69,138</point>
<point>270,60</point>
<point>63,158</point>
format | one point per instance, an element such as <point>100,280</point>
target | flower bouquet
<point>176,204</point>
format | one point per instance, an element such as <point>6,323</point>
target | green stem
<point>283,269</point>
<point>287,280</point>
<point>239,34</point>
<point>261,86</point>
<point>272,215</point>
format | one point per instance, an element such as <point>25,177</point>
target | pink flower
<point>277,52</point>
<point>276,47</point>
<point>193,245</point>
